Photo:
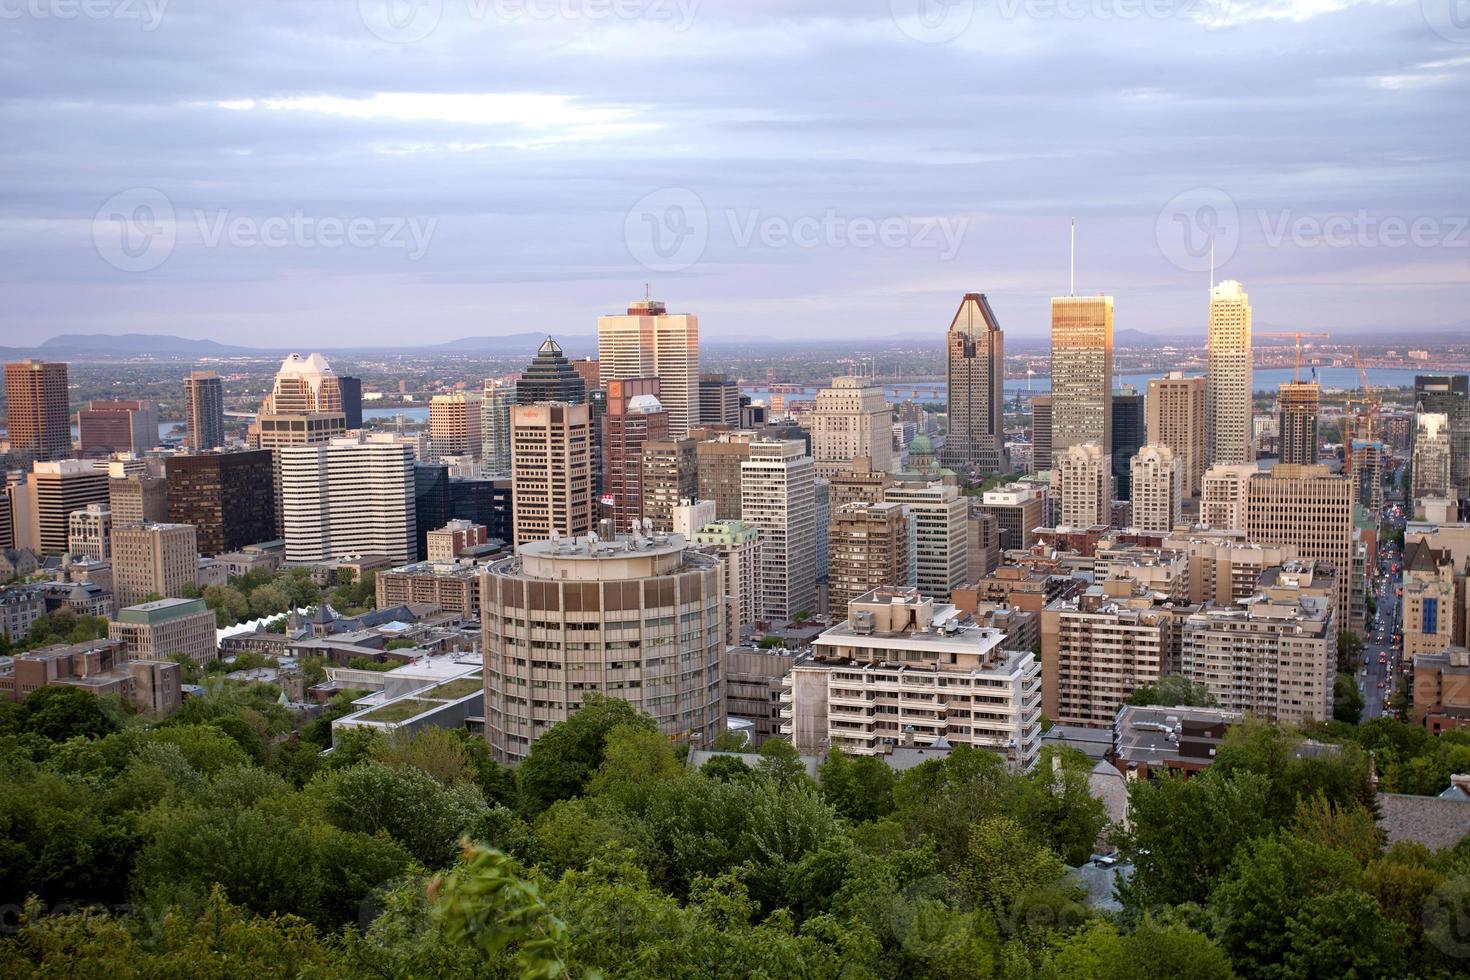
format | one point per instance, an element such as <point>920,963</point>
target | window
<point>1431,616</point>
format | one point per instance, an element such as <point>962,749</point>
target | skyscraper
<point>205,394</point>
<point>1080,480</point>
<point>551,470</point>
<point>1175,417</point>
<point>869,548</point>
<point>351,400</point>
<point>941,529</point>
<point>1128,438</point>
<point>778,498</point>
<point>1081,373</point>
<point>153,560</point>
<point>719,400</point>
<point>495,404</point>
<point>1309,507</point>
<point>670,474</point>
<point>851,419</point>
<point>55,489</point>
<point>348,497</point>
<point>229,497</point>
<point>304,408</point>
<point>455,425</point>
<point>1229,386</point>
<point>117,426</point>
<point>1449,395</point>
<point>1298,401</point>
<point>1041,433</point>
<point>648,341</point>
<point>1158,485</point>
<point>550,377</point>
<point>37,418</point>
<point>975,357</point>
<point>1430,466</point>
<point>634,417</point>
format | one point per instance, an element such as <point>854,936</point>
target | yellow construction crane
<point>1371,403</point>
<point>1296,375</point>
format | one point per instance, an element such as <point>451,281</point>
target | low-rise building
<point>102,667</point>
<point>754,680</point>
<point>450,586</point>
<point>19,610</point>
<point>166,628</point>
<point>1153,740</point>
<point>1442,689</point>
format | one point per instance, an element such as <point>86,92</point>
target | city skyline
<point>490,180</point>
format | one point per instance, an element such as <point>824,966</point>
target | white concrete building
<point>1083,486</point>
<point>851,419</point>
<point>1158,488</point>
<point>650,342</point>
<point>348,497</point>
<point>778,498</point>
<point>89,532</point>
<point>940,517</point>
<point>1222,495</point>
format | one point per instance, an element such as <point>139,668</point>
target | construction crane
<point>1371,403</point>
<point>1296,374</point>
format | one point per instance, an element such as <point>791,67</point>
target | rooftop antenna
<point>647,292</point>
<point>1072,276</point>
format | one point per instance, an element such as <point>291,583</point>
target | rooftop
<point>160,611</point>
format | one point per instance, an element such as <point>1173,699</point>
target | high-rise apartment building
<point>89,532</point>
<point>550,377</point>
<point>1366,469</point>
<point>859,484</point>
<point>1449,395</point>
<point>648,341</point>
<point>1081,373</point>
<point>551,470</point>
<point>1174,411</point>
<point>1018,511</point>
<point>1312,508</point>
<point>351,496</point>
<point>975,363</point>
<point>37,413</point>
<point>1041,433</point>
<point>1431,465</point>
<point>495,405</point>
<point>204,393</point>
<point>670,475</point>
<point>1229,384</point>
<point>738,546</point>
<point>851,419</point>
<point>1081,481</point>
<point>1128,439</point>
<point>719,400</point>
<point>455,425</point>
<point>904,672</point>
<point>869,546</point>
<point>153,560</point>
<point>1158,489</point>
<point>640,619</point>
<point>778,498</point>
<point>634,417</point>
<point>57,488</point>
<point>1097,648</point>
<point>1224,568</point>
<point>1299,401</point>
<point>229,498</point>
<point>117,426</point>
<point>718,461</point>
<point>941,529</point>
<point>1222,495</point>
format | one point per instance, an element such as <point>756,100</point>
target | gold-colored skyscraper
<point>1081,373</point>
<point>1228,386</point>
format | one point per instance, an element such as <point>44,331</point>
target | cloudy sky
<point>404,171</point>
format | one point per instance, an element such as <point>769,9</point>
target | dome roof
<point>312,364</point>
<point>644,405</point>
<point>921,445</point>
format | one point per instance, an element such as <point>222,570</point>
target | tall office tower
<point>304,408</point>
<point>454,425</point>
<point>719,461</point>
<point>778,498</point>
<point>7,520</point>
<point>862,484</point>
<point>551,470</point>
<point>1273,656</point>
<point>648,341</point>
<point>1175,417</point>
<point>1018,511</point>
<point>1312,508</point>
<point>56,488</point>
<point>1298,401</point>
<point>351,389</point>
<point>205,394</point>
<point>1097,648</point>
<point>634,417</point>
<point>862,692</point>
<point>138,498</point>
<point>822,501</point>
<point>37,414</point>
<point>1222,495</point>
<point>1041,433</point>
<point>229,498</point>
<point>349,497</point>
<point>105,427</point>
<point>719,400</point>
<point>589,369</point>
<point>1128,438</point>
<point>153,560</point>
<point>495,404</point>
<point>483,500</point>
<point>547,629</point>
<point>670,475</point>
<point>1229,384</point>
<point>975,355</point>
<point>1080,481</point>
<point>1367,473</point>
<point>738,546</point>
<point>984,532</point>
<point>851,419</point>
<point>869,548</point>
<point>941,529</point>
<point>431,503</point>
<point>1081,373</point>
<point>1431,466</point>
<point>89,533</point>
<point>550,377</point>
<point>1449,395</point>
<point>1158,489</point>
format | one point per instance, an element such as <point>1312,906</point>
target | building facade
<point>778,498</point>
<point>165,629</point>
<point>1174,416</point>
<point>869,546</point>
<point>153,560</point>
<point>940,523</point>
<point>1082,483</point>
<point>229,497</point>
<point>1158,489</point>
<point>1229,385</point>
<point>551,470</point>
<point>975,371</point>
<point>37,413</point>
<point>1299,403</point>
<point>1081,374</point>
<point>650,342</point>
<point>349,497</point>
<point>851,419</point>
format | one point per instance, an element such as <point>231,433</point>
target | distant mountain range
<point>134,345</point>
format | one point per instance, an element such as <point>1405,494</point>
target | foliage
<point>1173,691</point>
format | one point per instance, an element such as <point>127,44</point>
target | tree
<point>1343,934</point>
<point>562,761</point>
<point>60,712</point>
<point>1152,952</point>
<point>1349,652</point>
<point>860,788</point>
<point>406,803</point>
<point>780,760</point>
<point>1347,700</point>
<point>1173,691</point>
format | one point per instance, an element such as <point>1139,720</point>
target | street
<point>1376,680</point>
